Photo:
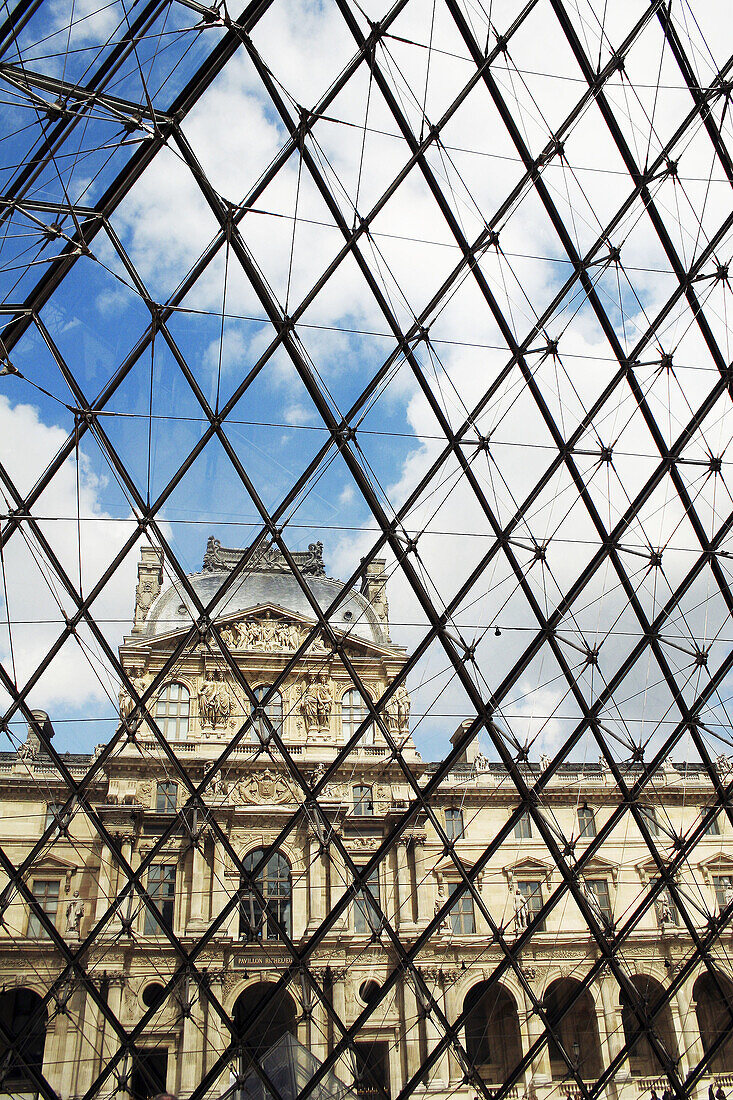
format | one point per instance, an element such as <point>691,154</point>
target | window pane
<point>461,912</point>
<point>586,821</point>
<point>723,890</point>
<point>166,798</point>
<point>531,891</point>
<point>523,827</point>
<point>171,711</point>
<point>46,893</point>
<point>353,713</point>
<point>713,826</point>
<point>363,804</point>
<point>600,896</point>
<point>454,823</point>
<point>366,919</point>
<point>162,890</point>
<point>650,817</point>
<point>274,710</point>
<point>263,919</point>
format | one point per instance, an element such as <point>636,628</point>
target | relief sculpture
<point>215,702</point>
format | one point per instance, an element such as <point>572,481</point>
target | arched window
<point>644,1060</point>
<point>24,1023</point>
<point>353,712</point>
<point>712,999</point>
<point>274,711</point>
<point>258,920</point>
<point>172,710</point>
<point>573,1019</point>
<point>493,1041</point>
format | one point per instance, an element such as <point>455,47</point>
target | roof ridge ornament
<point>267,559</point>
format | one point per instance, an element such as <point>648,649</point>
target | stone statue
<point>398,711</point>
<point>324,702</point>
<point>664,910</point>
<point>521,912</point>
<point>127,703</point>
<point>722,763</point>
<point>309,704</point>
<point>481,762</point>
<point>317,774</point>
<point>215,702</point>
<point>74,915</point>
<point>544,761</point>
<point>440,900</point>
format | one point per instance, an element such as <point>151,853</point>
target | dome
<point>173,609</point>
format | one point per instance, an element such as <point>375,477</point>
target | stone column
<point>89,1045</point>
<point>316,906</point>
<point>338,886</point>
<point>690,1031</point>
<point>217,1032</point>
<point>440,1071</point>
<point>319,1020</point>
<point>110,1041</point>
<point>192,1055</point>
<point>614,1031</point>
<point>541,1068</point>
<point>219,893</point>
<point>403,887</point>
<point>684,1063</point>
<point>411,1028</point>
<point>425,885</point>
<point>343,1066</point>
<point>200,889</point>
<point>451,1012</point>
<point>104,886</point>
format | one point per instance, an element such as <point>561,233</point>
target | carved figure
<point>398,711</point>
<point>74,915</point>
<point>481,762</point>
<point>324,701</point>
<point>314,562</point>
<point>126,701</point>
<point>309,703</point>
<point>318,773</point>
<point>440,900</point>
<point>544,761</point>
<point>215,702</point>
<point>722,763</point>
<point>664,910</point>
<point>521,912</point>
<point>213,558</point>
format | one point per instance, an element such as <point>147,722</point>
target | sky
<point>290,238</point>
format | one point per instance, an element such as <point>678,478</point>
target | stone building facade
<point>264,618</point>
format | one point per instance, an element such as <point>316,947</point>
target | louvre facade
<point>442,962</point>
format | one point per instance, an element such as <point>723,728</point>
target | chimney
<point>41,725</point>
<point>149,582</point>
<point>374,587</point>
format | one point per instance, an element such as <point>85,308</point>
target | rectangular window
<point>166,797</point>
<point>601,897</point>
<point>162,890</point>
<point>363,804</point>
<point>523,827</point>
<point>461,912</point>
<point>531,891</point>
<point>650,819</point>
<point>713,826</point>
<point>46,893</point>
<point>723,890</point>
<point>454,823</point>
<point>53,814</point>
<point>366,919</point>
<point>586,821</point>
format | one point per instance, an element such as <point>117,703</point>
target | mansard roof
<point>267,581</point>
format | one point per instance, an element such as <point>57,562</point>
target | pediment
<point>597,867</point>
<point>528,867</point>
<point>268,628</point>
<point>720,863</point>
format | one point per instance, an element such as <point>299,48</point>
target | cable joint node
<point>715,464</point>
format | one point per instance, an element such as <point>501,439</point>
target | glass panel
<point>172,710</point>
<point>46,893</point>
<point>162,890</point>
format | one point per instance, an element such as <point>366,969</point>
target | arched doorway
<point>493,1040</point>
<point>576,1028</point>
<point>714,1019</point>
<point>276,1016</point>
<point>643,1060</point>
<point>25,1026</point>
